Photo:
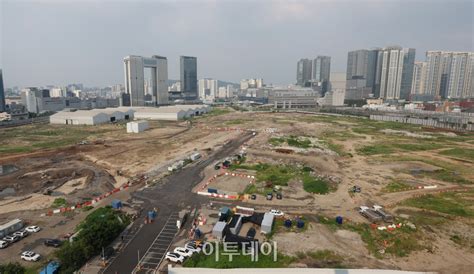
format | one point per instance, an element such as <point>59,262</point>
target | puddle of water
<point>7,169</point>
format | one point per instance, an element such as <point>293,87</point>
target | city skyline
<point>37,51</point>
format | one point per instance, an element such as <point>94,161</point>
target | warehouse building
<point>91,117</point>
<point>110,115</point>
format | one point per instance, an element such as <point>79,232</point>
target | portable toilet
<point>288,223</point>
<point>300,223</point>
<point>151,215</point>
<point>339,220</point>
<point>116,204</point>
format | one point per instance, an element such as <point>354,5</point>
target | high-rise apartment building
<point>303,72</point>
<point>396,72</point>
<point>419,75</point>
<point>208,89</point>
<point>449,74</point>
<point>251,83</point>
<point>3,106</point>
<point>188,76</point>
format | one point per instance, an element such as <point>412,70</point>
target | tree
<point>12,268</point>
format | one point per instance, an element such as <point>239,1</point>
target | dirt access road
<point>169,197</point>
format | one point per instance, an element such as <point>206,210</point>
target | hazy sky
<point>60,42</point>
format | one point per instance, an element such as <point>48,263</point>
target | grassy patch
<point>276,174</point>
<point>325,259</point>
<point>59,202</point>
<point>418,146</point>
<point>238,261</point>
<point>463,153</point>
<point>291,141</point>
<point>30,138</point>
<point>375,149</point>
<point>234,122</point>
<point>452,173</point>
<point>424,218</point>
<point>450,203</point>
<point>218,111</point>
<point>396,186</point>
<point>282,174</point>
<point>399,242</point>
<point>315,185</point>
<point>445,176</point>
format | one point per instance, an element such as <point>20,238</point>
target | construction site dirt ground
<point>353,151</point>
<point>83,169</point>
<point>339,152</point>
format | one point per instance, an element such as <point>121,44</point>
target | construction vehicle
<point>370,214</point>
<point>385,216</point>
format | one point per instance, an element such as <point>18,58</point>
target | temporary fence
<point>96,199</point>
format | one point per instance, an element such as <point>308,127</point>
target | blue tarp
<point>116,204</point>
<point>51,268</point>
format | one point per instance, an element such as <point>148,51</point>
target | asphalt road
<point>169,197</point>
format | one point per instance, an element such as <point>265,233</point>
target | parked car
<point>277,213</point>
<point>21,234</point>
<point>183,252</point>
<point>11,238</point>
<point>3,244</point>
<point>253,197</point>
<point>193,248</point>
<point>251,233</point>
<point>33,229</point>
<point>30,256</point>
<point>279,196</point>
<point>53,242</point>
<point>174,257</point>
<point>269,196</point>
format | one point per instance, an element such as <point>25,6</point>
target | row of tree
<point>97,231</point>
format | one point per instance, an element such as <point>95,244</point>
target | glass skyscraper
<point>188,76</point>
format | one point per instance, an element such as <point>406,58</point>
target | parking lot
<point>153,257</point>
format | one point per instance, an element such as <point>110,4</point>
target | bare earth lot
<point>390,162</point>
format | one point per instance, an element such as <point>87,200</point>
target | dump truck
<point>370,214</point>
<point>385,216</point>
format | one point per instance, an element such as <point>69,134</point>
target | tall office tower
<point>3,106</point>
<point>303,72</point>
<point>360,73</point>
<point>419,75</point>
<point>396,72</point>
<point>259,82</point>
<point>188,76</point>
<point>320,72</point>
<point>449,74</point>
<point>135,79</point>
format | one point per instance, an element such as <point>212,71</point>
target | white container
<point>137,126</point>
